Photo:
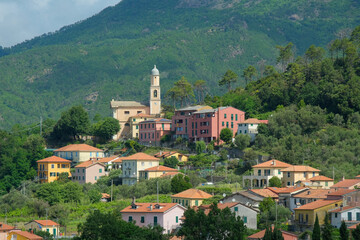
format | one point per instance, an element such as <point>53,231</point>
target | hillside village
<point>295,199</point>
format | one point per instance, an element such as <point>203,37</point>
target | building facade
<point>131,166</point>
<point>296,173</point>
<point>155,172</point>
<point>134,123</point>
<point>43,225</point>
<point>89,172</point>
<point>49,169</point>
<point>151,131</point>
<point>349,214</point>
<point>249,127</point>
<point>126,111</point>
<point>189,198</point>
<point>79,152</point>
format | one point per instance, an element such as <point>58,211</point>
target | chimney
<point>151,207</point>
<point>343,178</point>
<point>273,162</point>
<point>308,192</point>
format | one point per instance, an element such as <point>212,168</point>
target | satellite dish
<point>224,195</point>
<point>233,200</point>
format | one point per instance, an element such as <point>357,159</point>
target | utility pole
<point>46,213</point>
<point>5,216</point>
<point>157,191</point>
<point>112,182</point>
<point>40,125</point>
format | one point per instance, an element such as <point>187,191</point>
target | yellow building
<point>306,214</point>
<point>79,152</point>
<point>43,225</point>
<point>179,156</point>
<point>49,169</point>
<point>191,197</point>
<point>22,235</point>
<point>131,166</point>
<point>296,173</point>
<point>155,172</point>
<point>125,110</point>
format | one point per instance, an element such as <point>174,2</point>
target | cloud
<point>22,20</point>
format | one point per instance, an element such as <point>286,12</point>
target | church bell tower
<point>155,100</point>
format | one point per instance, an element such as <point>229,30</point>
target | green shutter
<point>130,219</point>
<point>177,219</point>
<point>155,220</point>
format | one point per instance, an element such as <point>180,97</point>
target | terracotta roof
<point>249,195</point>
<point>165,154</point>
<point>317,204</point>
<point>54,159</point>
<point>27,235</point>
<point>88,164</point>
<point>313,193</point>
<point>119,104</point>
<point>358,176</point>
<point>105,195</point>
<point>192,193</point>
<point>341,192</point>
<point>321,178</point>
<point>292,189</point>
<point>273,163</point>
<point>78,148</point>
<point>163,120</point>
<point>168,174</point>
<point>142,115</point>
<point>140,157</point>
<point>4,227</point>
<point>353,226</point>
<point>254,121</point>
<point>108,159</point>
<point>47,223</point>
<point>300,168</point>
<point>160,169</point>
<point>207,207</point>
<point>276,189</point>
<point>343,209</point>
<point>261,234</point>
<point>346,183</point>
<point>145,208</point>
<point>265,193</point>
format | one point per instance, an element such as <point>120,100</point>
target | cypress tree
<point>327,229</point>
<point>356,233</point>
<point>277,234</point>
<point>268,234</point>
<point>316,230</point>
<point>344,232</point>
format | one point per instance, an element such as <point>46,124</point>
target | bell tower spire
<point>155,97</point>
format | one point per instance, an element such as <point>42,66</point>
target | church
<point>130,113</point>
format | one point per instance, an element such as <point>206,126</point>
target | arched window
<point>155,93</point>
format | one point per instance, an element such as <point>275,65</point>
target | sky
<point>22,20</point>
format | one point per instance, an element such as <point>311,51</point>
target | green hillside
<point>110,55</point>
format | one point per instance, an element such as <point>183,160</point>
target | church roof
<point>115,104</point>
<point>155,71</point>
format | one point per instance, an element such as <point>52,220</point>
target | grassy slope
<point>110,55</point>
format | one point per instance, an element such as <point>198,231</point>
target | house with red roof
<point>250,126</point>
<point>263,172</point>
<point>109,161</point>
<point>43,225</point>
<point>261,234</point>
<point>318,182</point>
<point>151,131</point>
<point>307,196</point>
<point>132,165</point>
<point>79,152</point>
<point>346,184</point>
<point>22,235</point>
<point>166,215</point>
<point>287,193</point>
<point>4,230</point>
<point>246,212</point>
<point>155,172</point>
<point>295,173</point>
<point>191,197</point>
<point>89,172</point>
<point>305,215</point>
<point>349,214</point>
<point>49,169</point>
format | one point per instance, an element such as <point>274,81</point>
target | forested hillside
<point>111,54</point>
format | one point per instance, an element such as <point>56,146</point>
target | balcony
<point>257,181</point>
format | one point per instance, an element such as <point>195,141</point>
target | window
<point>223,124</point>
<point>349,216</point>
<point>155,93</point>
<point>196,202</point>
<point>153,125</point>
<point>288,183</point>
<point>177,219</point>
<point>83,177</point>
<point>95,177</point>
<point>227,124</point>
<point>279,171</point>
<point>58,166</point>
<point>313,174</point>
<point>251,124</point>
<point>225,115</point>
<point>245,131</point>
<point>232,117</point>
<point>155,220</point>
<point>239,131</point>
<point>358,216</point>
<point>100,170</point>
<point>288,174</point>
<point>90,154</point>
<point>130,219</point>
<point>63,166</point>
<point>304,174</point>
<point>142,220</point>
<point>336,215</point>
<point>232,125</point>
<point>127,112</point>
<point>83,170</point>
<point>236,209</point>
<point>163,126</point>
<point>259,172</point>
<point>137,126</point>
<point>235,117</point>
<point>52,166</point>
<point>78,170</point>
<point>245,219</point>
<point>139,112</point>
<point>141,136</point>
<point>48,230</point>
<point>142,163</point>
<point>97,154</point>
<point>326,184</point>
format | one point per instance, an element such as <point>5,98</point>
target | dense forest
<point>110,55</point>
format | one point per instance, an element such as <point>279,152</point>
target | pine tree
<point>316,230</point>
<point>344,232</point>
<point>268,234</point>
<point>327,229</point>
<point>277,234</point>
<point>356,233</point>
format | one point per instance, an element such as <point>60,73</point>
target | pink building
<point>167,215</point>
<point>151,131</point>
<point>205,123</point>
<point>89,172</point>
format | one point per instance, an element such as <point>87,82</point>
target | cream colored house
<point>126,111</point>
<point>155,172</point>
<point>296,173</point>
<point>263,172</point>
<point>132,165</point>
<point>79,152</point>
<point>179,156</point>
<point>191,197</point>
<point>4,230</point>
<point>43,225</point>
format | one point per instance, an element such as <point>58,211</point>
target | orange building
<point>49,169</point>
<point>191,197</point>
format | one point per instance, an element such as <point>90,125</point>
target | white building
<point>349,214</point>
<point>249,127</point>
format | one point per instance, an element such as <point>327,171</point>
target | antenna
<point>157,191</point>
